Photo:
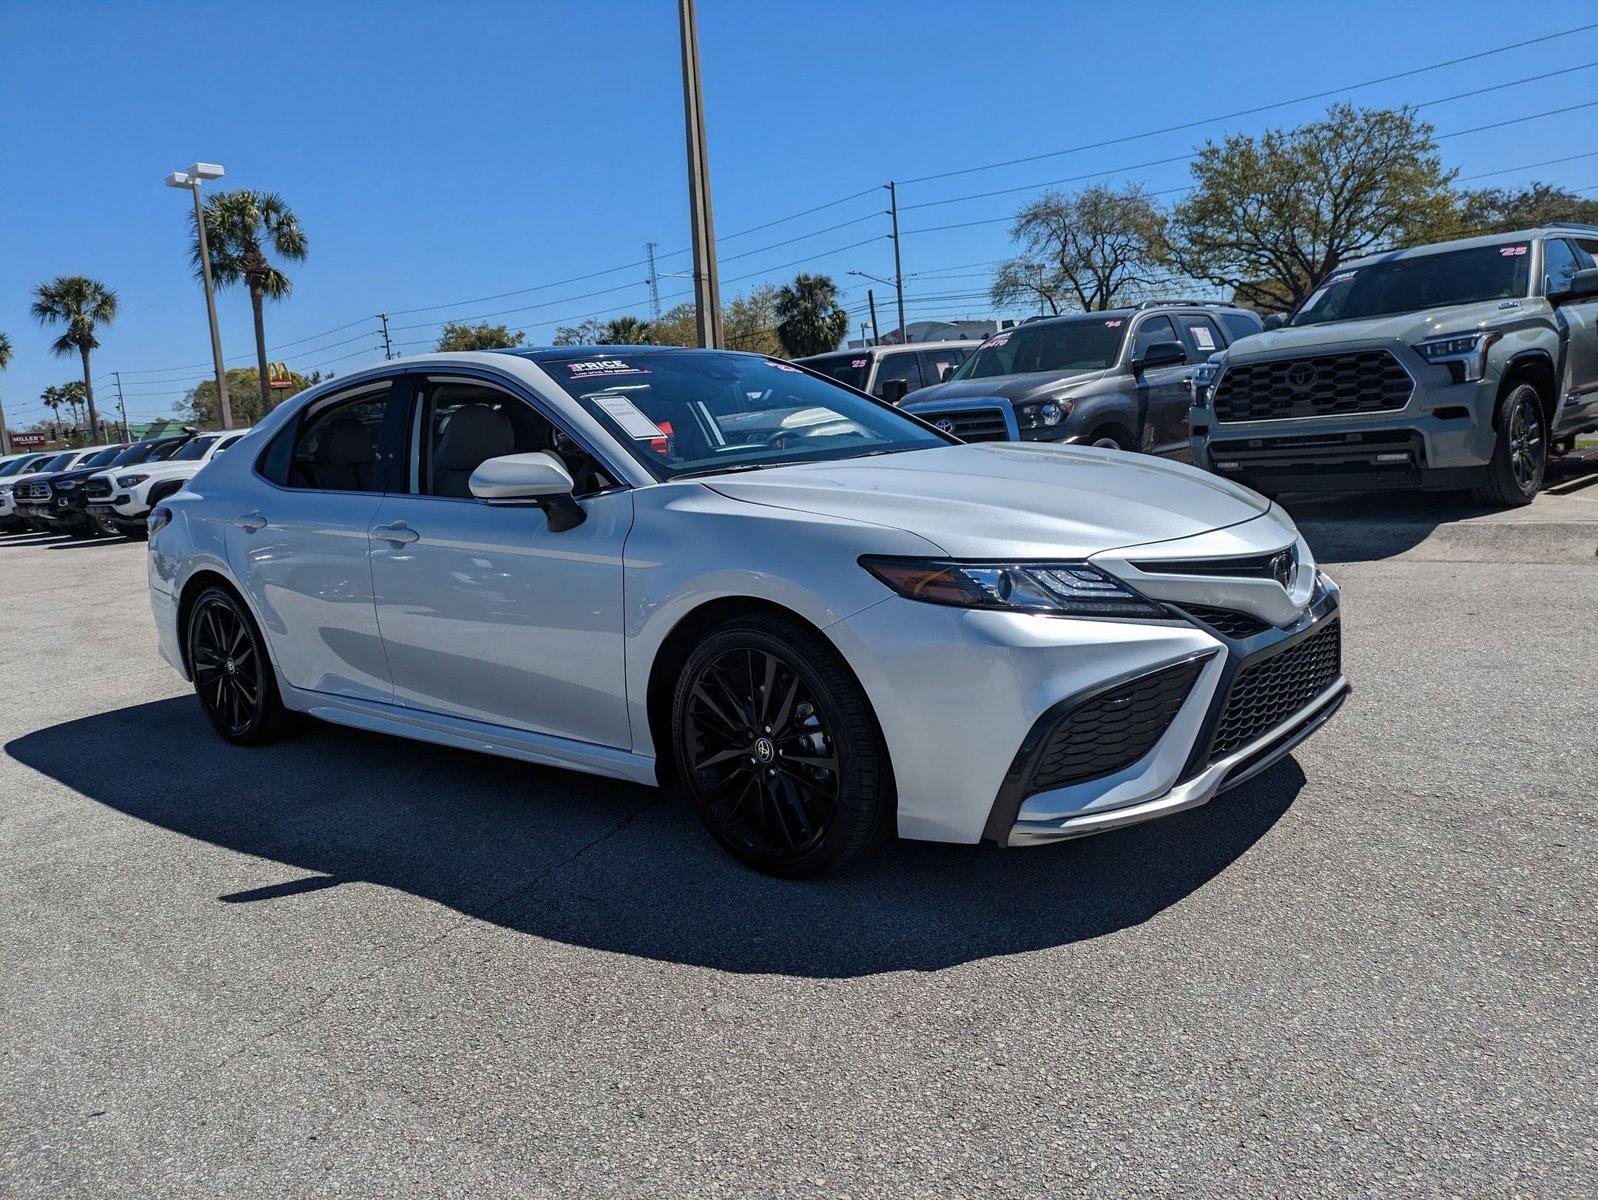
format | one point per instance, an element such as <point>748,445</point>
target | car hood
<point>1008,499</point>
<point>1008,387</point>
<point>1400,327</point>
<point>161,470</point>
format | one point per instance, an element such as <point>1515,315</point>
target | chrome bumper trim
<point>1202,788</point>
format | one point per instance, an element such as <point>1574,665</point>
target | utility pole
<point>871,299</point>
<point>388,346</point>
<point>122,405</point>
<point>653,280</point>
<point>898,268</point>
<point>707,290</point>
<point>5,434</point>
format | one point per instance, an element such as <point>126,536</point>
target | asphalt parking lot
<point>355,964</point>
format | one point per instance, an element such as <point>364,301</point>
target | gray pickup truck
<point>1459,365</point>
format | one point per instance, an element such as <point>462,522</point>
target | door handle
<point>1187,381</point>
<point>399,533</point>
<point>250,521</point>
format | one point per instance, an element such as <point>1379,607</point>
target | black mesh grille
<point>97,488</point>
<point>1324,385</point>
<point>1268,692</point>
<point>1113,729</point>
<point>1229,621</point>
<point>972,425</point>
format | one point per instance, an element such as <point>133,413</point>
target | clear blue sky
<point>438,153</point>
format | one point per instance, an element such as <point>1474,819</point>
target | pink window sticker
<point>1511,251</point>
<point>603,366</point>
<point>1115,324</point>
<point>1343,278</point>
<point>782,366</point>
<point>858,362</point>
<point>994,342</point>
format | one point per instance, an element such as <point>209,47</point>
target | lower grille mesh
<point>1268,692</point>
<point>1228,621</point>
<point>1114,729</point>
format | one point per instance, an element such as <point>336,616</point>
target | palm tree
<point>809,319</point>
<point>626,331</point>
<point>53,398</point>
<point>81,304</point>
<point>5,361</point>
<point>241,226</point>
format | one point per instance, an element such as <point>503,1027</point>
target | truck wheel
<point>1520,454</point>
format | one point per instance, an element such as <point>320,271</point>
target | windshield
<point>1403,285</point>
<point>101,458</point>
<point>59,463</point>
<point>135,453</point>
<point>697,412</point>
<point>193,449</point>
<point>1088,344</point>
<point>166,450</point>
<point>18,466</point>
<point>851,369</point>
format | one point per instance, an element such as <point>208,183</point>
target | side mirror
<point>537,478</point>
<point>1274,321</point>
<point>1160,354</point>
<point>894,390</point>
<point>1583,283</point>
<point>946,374</point>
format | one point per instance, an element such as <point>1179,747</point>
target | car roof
<point>1553,229</point>
<point>910,348</point>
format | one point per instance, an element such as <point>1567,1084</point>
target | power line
<point>1247,112</point>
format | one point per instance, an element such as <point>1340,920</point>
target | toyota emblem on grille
<point>1301,375</point>
<point>944,424</point>
<point>1282,567</point>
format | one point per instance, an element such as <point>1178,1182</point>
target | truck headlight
<point>1064,589</point>
<point>1204,376</point>
<point>127,481</point>
<point>1464,353</point>
<point>1041,414</point>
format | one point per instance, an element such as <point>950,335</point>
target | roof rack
<point>1183,304</point>
<point>1585,226</point>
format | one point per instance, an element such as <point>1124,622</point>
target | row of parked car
<point>101,489</point>
<point>1465,364</point>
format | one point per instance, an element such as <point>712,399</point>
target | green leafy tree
<point>626,331</point>
<point>676,327</point>
<point>82,305</point>
<point>809,318</point>
<point>241,227</point>
<point>750,322</point>
<point>457,335</point>
<point>1088,250</point>
<point>53,398</point>
<point>1270,216</point>
<point>585,333</point>
<point>201,409</point>
<point>1501,210</point>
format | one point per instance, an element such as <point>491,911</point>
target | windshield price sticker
<point>782,366</point>
<point>1512,251</point>
<point>603,366</point>
<point>1343,278</point>
<point>625,413</point>
<point>994,342</point>
<point>1115,324</point>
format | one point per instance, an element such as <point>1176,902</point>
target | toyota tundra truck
<point>1459,365</point>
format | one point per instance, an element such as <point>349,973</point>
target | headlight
<point>66,485</point>
<point>1465,353</point>
<point>5,488</point>
<point>1042,414</point>
<point>130,480</point>
<point>1067,589</point>
<point>1204,376</point>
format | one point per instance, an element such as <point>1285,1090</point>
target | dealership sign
<point>23,441</point>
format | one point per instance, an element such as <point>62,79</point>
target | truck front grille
<point>1323,385</point>
<point>1269,691</point>
<point>97,489</point>
<point>972,425</point>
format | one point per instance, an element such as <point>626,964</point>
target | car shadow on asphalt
<point>617,867</point>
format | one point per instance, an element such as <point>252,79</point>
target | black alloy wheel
<point>1520,455</point>
<point>1526,450</point>
<point>776,746</point>
<point>232,676</point>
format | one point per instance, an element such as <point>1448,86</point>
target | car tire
<point>1106,439</point>
<point>233,676</point>
<point>778,750</point>
<point>1520,453</point>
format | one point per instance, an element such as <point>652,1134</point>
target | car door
<point>485,612</point>
<point>300,543</point>
<point>1163,391</point>
<point>1578,321</point>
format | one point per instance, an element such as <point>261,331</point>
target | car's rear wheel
<point>778,750</point>
<point>232,675</point>
<point>1520,455</point>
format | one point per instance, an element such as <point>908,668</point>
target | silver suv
<point>892,372</point>
<point>1463,364</point>
<point>1120,378</point>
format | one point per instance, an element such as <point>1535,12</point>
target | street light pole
<point>707,290</point>
<point>191,179</point>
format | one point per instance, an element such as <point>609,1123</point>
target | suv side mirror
<point>894,390</point>
<point>1275,321</point>
<point>537,478</point>
<point>946,374</point>
<point>1160,354</point>
<point>1583,283</point>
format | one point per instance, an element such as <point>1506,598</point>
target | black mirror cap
<point>1160,354</point>
<point>895,390</point>
<point>1275,321</point>
<point>1583,283</point>
<point>946,374</point>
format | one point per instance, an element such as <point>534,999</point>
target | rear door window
<point>1240,325</point>
<point>1200,336</point>
<point>935,362</point>
<point>335,444</point>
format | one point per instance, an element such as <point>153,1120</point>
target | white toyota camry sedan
<point>822,618</point>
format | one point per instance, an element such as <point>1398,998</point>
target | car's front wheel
<point>233,677</point>
<point>1520,454</point>
<point>778,750</point>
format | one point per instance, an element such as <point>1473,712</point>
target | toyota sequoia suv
<point>1458,365</point>
<point>892,372</point>
<point>1120,378</point>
